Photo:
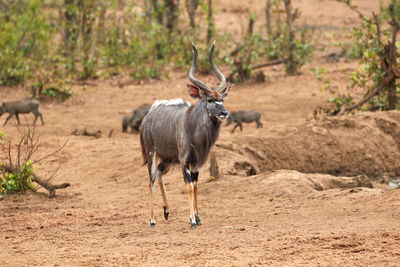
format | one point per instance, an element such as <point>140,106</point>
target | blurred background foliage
<point>45,43</point>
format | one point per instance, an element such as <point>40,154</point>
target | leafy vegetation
<point>374,42</point>
<point>17,169</point>
<point>283,43</point>
<point>24,39</point>
<point>13,182</point>
<point>45,44</point>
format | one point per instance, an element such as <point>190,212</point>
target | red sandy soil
<point>291,212</point>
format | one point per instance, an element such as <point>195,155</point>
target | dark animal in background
<point>243,116</point>
<point>23,106</point>
<point>127,121</point>
<point>135,119</point>
<point>175,132</point>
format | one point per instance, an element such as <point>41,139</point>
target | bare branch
<point>259,66</point>
<point>9,153</point>
<point>44,183</point>
<point>19,151</point>
<point>237,50</point>
<point>47,179</point>
<point>364,100</point>
<point>52,154</point>
<point>378,28</point>
<point>361,15</point>
<point>268,64</point>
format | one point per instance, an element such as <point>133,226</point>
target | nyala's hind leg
<point>162,169</point>
<point>152,220</point>
<point>152,173</point>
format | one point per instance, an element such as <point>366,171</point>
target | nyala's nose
<point>223,114</point>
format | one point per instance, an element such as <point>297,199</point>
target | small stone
<point>123,235</point>
<point>320,130</point>
<point>394,183</point>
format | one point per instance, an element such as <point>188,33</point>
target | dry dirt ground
<point>295,192</point>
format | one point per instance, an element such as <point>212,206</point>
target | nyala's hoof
<point>198,221</point>
<point>166,213</point>
<point>193,223</point>
<point>152,224</point>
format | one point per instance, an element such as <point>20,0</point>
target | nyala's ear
<point>193,90</point>
<point>227,90</point>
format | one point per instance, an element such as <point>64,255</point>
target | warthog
<point>135,119</point>
<point>243,116</point>
<point>23,106</point>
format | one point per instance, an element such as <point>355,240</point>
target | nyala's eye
<point>210,100</point>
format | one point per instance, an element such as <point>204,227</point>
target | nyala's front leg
<point>190,189</point>
<point>195,176</point>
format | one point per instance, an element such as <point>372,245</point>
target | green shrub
<point>18,181</point>
<point>372,44</point>
<point>24,36</point>
<point>61,94</point>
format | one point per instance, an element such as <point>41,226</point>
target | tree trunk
<point>172,13</point>
<point>210,28</point>
<point>214,174</point>
<point>268,17</point>
<point>158,11</point>
<point>393,60</point>
<point>291,64</point>
<point>87,9</point>
<point>250,30</point>
<point>147,6</point>
<point>101,26</point>
<point>392,95</point>
<point>71,30</point>
<point>191,6</point>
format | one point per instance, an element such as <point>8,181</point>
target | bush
<point>85,37</point>
<point>374,41</point>
<point>61,94</point>
<point>146,48</point>
<point>18,181</point>
<point>24,36</point>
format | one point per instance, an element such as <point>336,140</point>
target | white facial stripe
<point>218,102</point>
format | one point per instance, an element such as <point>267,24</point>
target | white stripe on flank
<point>153,172</point>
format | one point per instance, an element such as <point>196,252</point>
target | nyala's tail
<point>143,149</point>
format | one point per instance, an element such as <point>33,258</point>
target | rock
<point>319,130</point>
<point>394,183</point>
